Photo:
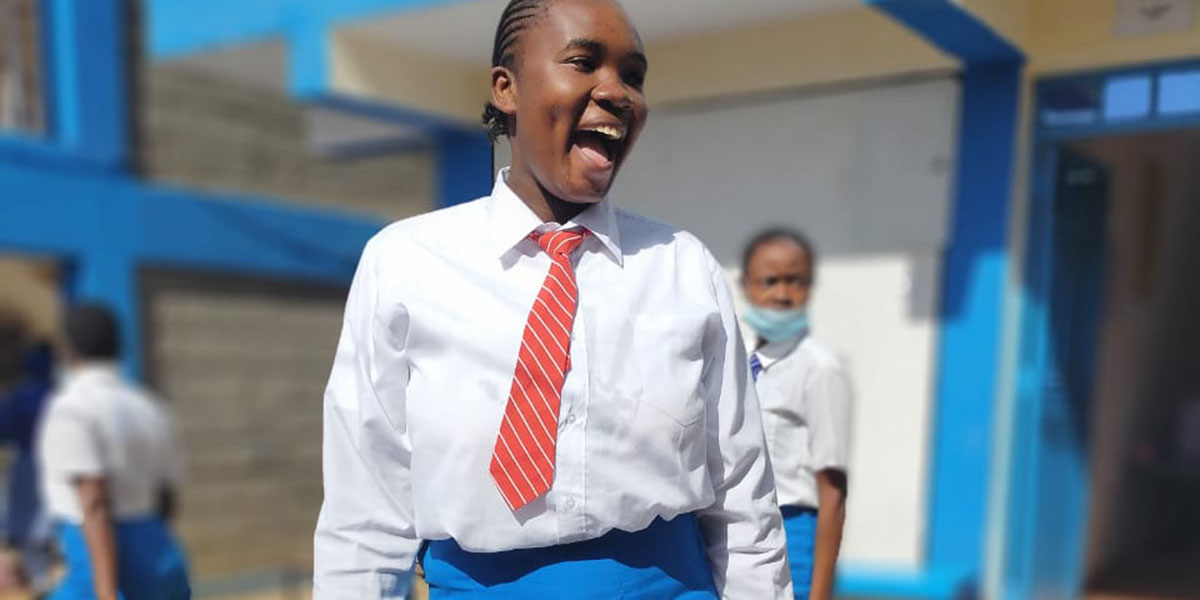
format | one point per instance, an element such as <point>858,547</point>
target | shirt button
<point>570,418</point>
<point>570,504</point>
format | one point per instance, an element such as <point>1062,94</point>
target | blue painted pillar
<point>464,167</point>
<point>86,79</point>
<point>975,267</point>
<point>972,310</point>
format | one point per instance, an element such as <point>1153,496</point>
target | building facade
<point>1000,191</point>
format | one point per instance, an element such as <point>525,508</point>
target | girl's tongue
<point>594,152</point>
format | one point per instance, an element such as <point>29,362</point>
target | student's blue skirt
<point>800,525</point>
<point>150,564</point>
<point>665,561</point>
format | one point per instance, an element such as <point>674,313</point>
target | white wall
<point>865,172</point>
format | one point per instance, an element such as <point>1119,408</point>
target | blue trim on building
<point>69,214</point>
<point>1083,96</point>
<point>953,29</point>
<point>107,226</point>
<point>975,267</point>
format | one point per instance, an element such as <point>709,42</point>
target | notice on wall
<point>1148,17</point>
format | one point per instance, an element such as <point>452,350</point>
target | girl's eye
<point>583,63</point>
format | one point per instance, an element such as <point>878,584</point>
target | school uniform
<point>98,424</point>
<point>656,482</point>
<point>806,401</point>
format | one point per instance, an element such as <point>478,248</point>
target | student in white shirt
<point>109,467</point>
<point>540,394</point>
<point>806,398</point>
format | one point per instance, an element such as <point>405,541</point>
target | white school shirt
<point>806,399</point>
<point>657,415</point>
<point>98,424</point>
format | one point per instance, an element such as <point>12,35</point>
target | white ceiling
<point>464,30</point>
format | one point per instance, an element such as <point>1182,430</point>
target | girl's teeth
<point>611,133</point>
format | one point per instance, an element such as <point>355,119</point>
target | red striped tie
<point>523,459</point>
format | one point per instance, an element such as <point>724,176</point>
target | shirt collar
<point>89,370</point>
<point>773,352</point>
<point>510,221</point>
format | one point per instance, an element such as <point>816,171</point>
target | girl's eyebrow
<point>585,44</point>
<point>596,47</point>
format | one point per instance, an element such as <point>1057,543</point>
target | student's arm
<point>365,541</point>
<point>72,449</point>
<point>98,532</point>
<point>831,493</point>
<point>743,529</point>
<point>828,399</point>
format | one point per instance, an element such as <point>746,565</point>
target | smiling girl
<point>539,395</point>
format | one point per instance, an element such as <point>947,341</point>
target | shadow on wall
<point>865,170</point>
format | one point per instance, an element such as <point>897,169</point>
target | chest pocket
<point>667,362</point>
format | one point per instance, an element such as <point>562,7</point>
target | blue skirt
<point>150,564</point>
<point>662,562</point>
<point>800,525</point>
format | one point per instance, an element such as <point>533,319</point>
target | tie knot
<point>561,243</point>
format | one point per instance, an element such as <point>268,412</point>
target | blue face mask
<point>776,325</point>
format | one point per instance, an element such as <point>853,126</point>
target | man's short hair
<point>93,333</point>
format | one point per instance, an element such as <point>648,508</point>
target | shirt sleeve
<point>365,540</point>
<point>71,444</point>
<point>743,529</point>
<point>828,399</point>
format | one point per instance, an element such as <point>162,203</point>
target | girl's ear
<point>504,90</point>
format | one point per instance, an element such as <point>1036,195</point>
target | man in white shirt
<point>109,466</point>
<point>806,398</point>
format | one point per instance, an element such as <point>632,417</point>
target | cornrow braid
<point>518,15</point>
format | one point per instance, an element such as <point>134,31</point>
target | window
<point>1127,98</point>
<point>1179,92</point>
<point>21,104</point>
